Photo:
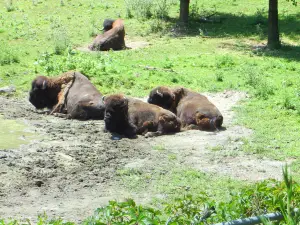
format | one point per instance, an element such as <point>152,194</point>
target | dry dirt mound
<point>70,169</point>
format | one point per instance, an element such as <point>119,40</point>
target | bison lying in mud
<point>194,110</point>
<point>71,94</point>
<point>129,117</point>
<point>112,38</point>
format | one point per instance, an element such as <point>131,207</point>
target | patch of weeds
<point>251,200</point>
<point>172,157</point>
<point>156,26</point>
<point>252,76</point>
<point>159,147</point>
<point>146,9</point>
<point>161,9</point>
<point>216,148</point>
<point>260,16</point>
<point>219,76</point>
<point>224,61</point>
<point>264,90</point>
<point>93,31</point>
<point>288,103</point>
<point>194,10</point>
<point>139,8</point>
<point>8,55</point>
<point>60,37</point>
<point>168,64</point>
<point>9,6</point>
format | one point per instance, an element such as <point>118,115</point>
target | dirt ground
<point>70,169</point>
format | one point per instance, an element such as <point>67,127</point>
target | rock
<point>7,89</point>
<point>39,183</point>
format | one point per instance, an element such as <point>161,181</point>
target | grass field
<point>41,37</point>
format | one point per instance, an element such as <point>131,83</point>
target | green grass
<point>40,37</point>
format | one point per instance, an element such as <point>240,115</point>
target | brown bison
<point>112,38</point>
<point>194,110</point>
<point>129,117</point>
<point>71,94</point>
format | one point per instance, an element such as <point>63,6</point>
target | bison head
<point>116,113</point>
<point>40,95</point>
<point>163,97</point>
<point>108,24</point>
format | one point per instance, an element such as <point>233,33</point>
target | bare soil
<point>70,169</point>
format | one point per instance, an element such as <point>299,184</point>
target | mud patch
<point>72,170</point>
<point>129,44</point>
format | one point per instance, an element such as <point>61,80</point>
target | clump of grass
<point>161,9</point>
<point>145,9</point>
<point>8,55</point>
<point>60,37</point>
<point>264,90</point>
<point>219,76</point>
<point>9,6</point>
<point>288,103</point>
<point>225,61</point>
<point>141,9</point>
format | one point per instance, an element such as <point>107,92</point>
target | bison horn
<point>103,97</point>
<point>44,85</point>
<point>160,94</point>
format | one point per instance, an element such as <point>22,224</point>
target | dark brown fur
<point>129,117</point>
<point>112,38</point>
<point>194,110</point>
<point>71,93</point>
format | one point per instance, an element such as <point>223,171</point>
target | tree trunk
<point>273,32</point>
<point>184,11</point>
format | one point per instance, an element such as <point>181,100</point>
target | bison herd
<point>73,96</point>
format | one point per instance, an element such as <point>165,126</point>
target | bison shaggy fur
<point>194,110</point>
<point>71,94</point>
<point>112,38</point>
<point>129,117</point>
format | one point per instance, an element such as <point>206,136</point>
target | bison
<point>194,110</point>
<point>112,38</point>
<point>70,95</point>
<point>129,117</point>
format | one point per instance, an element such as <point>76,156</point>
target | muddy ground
<point>70,169</point>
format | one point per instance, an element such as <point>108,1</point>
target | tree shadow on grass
<point>289,52</point>
<point>223,25</point>
<point>236,25</point>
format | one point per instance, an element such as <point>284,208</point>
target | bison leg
<point>191,127</point>
<point>148,125</point>
<point>205,123</point>
<point>166,124</point>
<point>62,115</point>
